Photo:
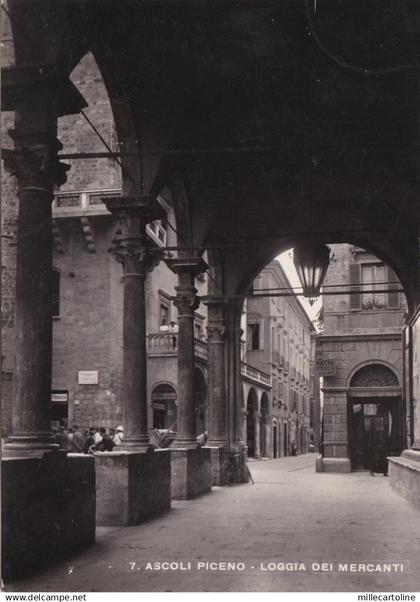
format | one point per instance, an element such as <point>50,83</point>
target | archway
<point>375,413</point>
<point>164,407</point>
<point>251,431</point>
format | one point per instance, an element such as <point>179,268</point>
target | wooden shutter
<point>393,297</point>
<point>355,279</point>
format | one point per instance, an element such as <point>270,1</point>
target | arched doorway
<point>251,410</point>
<point>200,401</point>
<point>164,407</point>
<point>375,413</point>
<point>275,440</point>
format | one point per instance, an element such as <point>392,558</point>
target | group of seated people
<point>95,439</point>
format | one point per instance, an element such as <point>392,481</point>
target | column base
<point>29,446</point>
<point>131,486</point>
<point>136,444</point>
<point>191,472</point>
<point>48,511</point>
<point>218,457</point>
<point>339,465</point>
<point>404,475</point>
<point>187,443</point>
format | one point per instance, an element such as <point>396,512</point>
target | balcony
<point>166,344</point>
<point>88,203</point>
<point>83,203</point>
<point>255,375</point>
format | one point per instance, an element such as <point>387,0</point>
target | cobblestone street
<point>290,515</point>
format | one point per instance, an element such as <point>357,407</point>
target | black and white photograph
<point>210,252</point>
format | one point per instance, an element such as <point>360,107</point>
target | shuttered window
<point>355,297</point>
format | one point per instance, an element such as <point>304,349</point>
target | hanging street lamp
<point>311,261</point>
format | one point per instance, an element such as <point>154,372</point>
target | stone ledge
<point>191,472</point>
<point>404,475</point>
<point>48,510</point>
<point>337,465</point>
<point>131,486</point>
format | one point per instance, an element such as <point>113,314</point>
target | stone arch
<point>251,411</point>
<point>374,375</point>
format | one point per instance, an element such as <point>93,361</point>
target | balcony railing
<point>166,343</point>
<point>254,374</point>
<point>86,202</point>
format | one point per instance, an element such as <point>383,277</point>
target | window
<point>254,335</point>
<point>373,280</point>
<point>367,280</point>
<point>164,315</point>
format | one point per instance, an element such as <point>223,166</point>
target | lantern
<point>311,262</point>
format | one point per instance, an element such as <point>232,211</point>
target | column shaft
<point>134,361</point>
<point>217,431</point>
<point>257,431</point>
<point>186,303</point>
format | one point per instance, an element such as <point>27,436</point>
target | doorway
<point>373,421</point>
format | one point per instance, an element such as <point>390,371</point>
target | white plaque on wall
<point>88,377</point>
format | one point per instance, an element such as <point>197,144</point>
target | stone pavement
<point>291,515</point>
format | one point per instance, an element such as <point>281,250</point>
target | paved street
<point>291,515</point>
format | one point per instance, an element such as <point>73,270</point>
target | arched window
<point>374,375</point>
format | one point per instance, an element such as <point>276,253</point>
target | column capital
<point>135,258</point>
<point>186,301</point>
<point>34,160</point>
<point>216,333</point>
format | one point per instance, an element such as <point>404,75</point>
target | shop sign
<point>88,377</point>
<point>325,367</point>
<point>59,397</point>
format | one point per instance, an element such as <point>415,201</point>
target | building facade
<point>280,342</point>
<point>360,357</point>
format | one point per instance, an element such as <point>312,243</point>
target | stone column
<point>257,431</point>
<point>268,425</point>
<point>186,301</point>
<point>236,427</point>
<point>216,330</point>
<point>130,247</point>
<point>34,95</point>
